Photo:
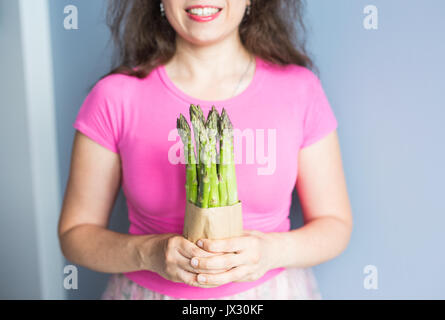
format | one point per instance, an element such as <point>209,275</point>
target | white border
<point>38,72</point>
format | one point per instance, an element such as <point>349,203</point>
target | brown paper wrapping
<point>212,223</point>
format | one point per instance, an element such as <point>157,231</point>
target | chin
<point>204,39</point>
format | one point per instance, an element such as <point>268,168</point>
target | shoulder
<point>292,75</point>
<point>298,82</point>
<point>288,71</point>
<point>115,86</point>
<point>110,96</point>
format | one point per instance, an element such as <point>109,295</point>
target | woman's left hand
<point>248,257</point>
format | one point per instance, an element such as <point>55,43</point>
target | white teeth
<point>203,12</point>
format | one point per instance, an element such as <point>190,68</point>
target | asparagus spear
<point>212,132</point>
<point>204,165</point>
<point>221,165</point>
<point>197,115</point>
<point>191,185</point>
<point>227,158</point>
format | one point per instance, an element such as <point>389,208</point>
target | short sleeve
<point>98,117</point>
<point>319,119</point>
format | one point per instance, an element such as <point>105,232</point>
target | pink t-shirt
<point>283,110</point>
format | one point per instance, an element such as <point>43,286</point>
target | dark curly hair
<point>274,31</point>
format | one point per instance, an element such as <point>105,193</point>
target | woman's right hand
<point>170,256</point>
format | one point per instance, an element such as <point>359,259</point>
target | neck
<point>218,60</point>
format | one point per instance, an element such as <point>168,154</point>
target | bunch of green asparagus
<point>210,177</point>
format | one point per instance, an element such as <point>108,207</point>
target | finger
<point>189,250</point>
<point>191,279</point>
<point>221,262</point>
<point>185,263</point>
<point>234,244</point>
<point>225,277</point>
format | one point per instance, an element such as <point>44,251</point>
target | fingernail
<point>199,243</point>
<point>201,278</point>
<point>194,262</point>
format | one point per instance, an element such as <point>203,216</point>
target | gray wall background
<point>81,57</point>
<point>386,88</point>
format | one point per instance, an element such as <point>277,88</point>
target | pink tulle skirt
<point>291,284</point>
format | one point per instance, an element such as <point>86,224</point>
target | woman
<point>234,54</point>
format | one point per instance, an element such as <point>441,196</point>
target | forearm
<point>107,251</point>
<point>316,242</point>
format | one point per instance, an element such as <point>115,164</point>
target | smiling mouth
<point>203,12</point>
